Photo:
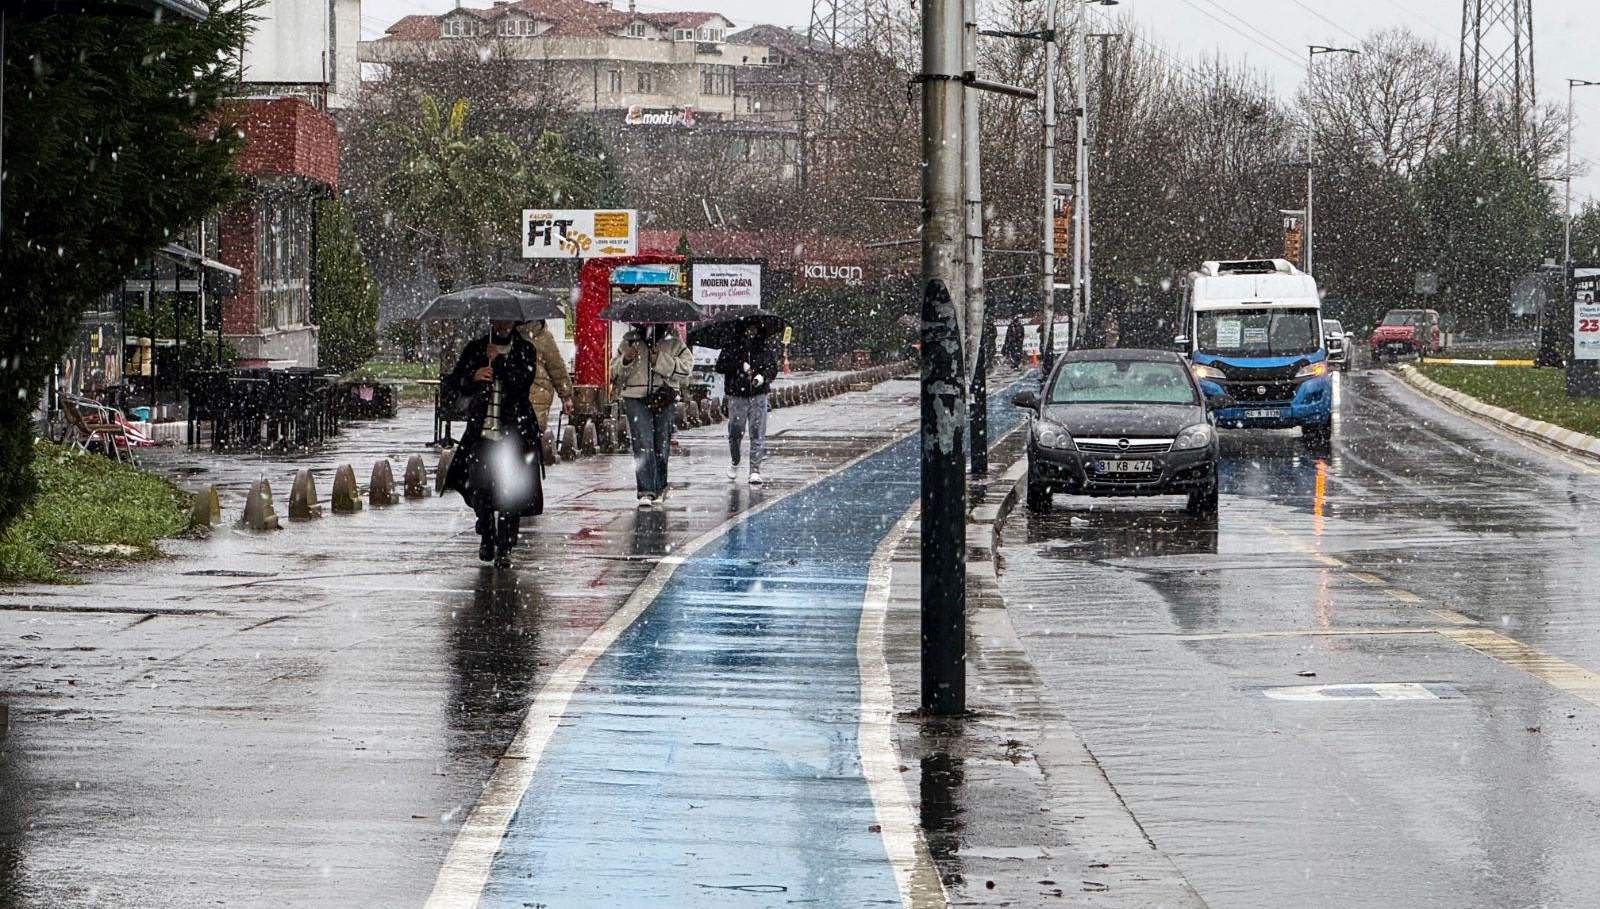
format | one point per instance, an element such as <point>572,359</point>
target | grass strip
<point>1540,394</point>
<point>90,511</point>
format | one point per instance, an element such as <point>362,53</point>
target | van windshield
<point>1259,332</point>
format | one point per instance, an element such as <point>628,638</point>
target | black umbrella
<point>495,302</point>
<point>652,308</point>
<point>724,330</point>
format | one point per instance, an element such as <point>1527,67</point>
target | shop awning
<point>221,279</point>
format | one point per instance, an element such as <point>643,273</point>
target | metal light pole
<point>944,490</point>
<point>1047,331</point>
<point>1080,207</point>
<point>971,152</point>
<point>1314,50</point>
<point>1566,217</point>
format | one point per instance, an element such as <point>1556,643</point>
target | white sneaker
<point>646,500</point>
<point>733,471</point>
<point>755,478</point>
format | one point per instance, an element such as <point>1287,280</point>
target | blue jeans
<point>651,436</point>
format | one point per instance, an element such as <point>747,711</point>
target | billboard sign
<point>821,273</point>
<point>1586,319</point>
<point>579,233</point>
<point>647,275</point>
<point>727,284</point>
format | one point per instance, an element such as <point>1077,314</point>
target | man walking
<point>747,367</point>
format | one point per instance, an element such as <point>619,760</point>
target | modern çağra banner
<point>727,284</point>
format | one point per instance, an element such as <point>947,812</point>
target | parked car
<point>1407,332</point>
<point>1338,344</point>
<point>1122,423</point>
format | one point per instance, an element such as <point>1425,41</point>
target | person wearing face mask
<point>496,466</point>
<point>649,372</point>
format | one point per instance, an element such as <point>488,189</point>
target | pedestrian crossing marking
<point>1552,670</point>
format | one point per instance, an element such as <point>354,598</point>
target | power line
<point>1326,19</point>
<point>1287,54</point>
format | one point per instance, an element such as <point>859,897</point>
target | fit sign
<point>578,234</point>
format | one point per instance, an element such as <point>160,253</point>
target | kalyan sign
<point>848,275</point>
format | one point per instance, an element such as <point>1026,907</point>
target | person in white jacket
<point>650,371</point>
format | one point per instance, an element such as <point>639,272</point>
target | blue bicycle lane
<point>710,757</point>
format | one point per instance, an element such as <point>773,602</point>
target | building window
<point>515,27</point>
<point>712,35</point>
<point>638,30</point>
<point>283,258</point>
<point>615,81</point>
<point>716,79</point>
<point>458,27</point>
<point>646,83</point>
<point>683,34</point>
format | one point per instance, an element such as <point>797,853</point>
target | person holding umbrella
<point>649,371</point>
<point>551,378</point>
<point>496,466</point>
<point>747,361</point>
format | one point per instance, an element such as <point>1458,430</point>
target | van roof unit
<point>1248,267</point>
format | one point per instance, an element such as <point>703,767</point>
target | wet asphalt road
<point>1423,548</point>
<point>305,718</point>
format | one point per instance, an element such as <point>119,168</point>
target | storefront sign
<point>578,234</point>
<point>847,275</point>
<point>647,275</point>
<point>730,284</point>
<point>657,116</point>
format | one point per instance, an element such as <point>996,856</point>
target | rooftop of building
<point>567,18</point>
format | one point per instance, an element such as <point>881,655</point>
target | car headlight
<point>1049,435</point>
<point>1202,371</point>
<point>1320,368</point>
<point>1197,436</point>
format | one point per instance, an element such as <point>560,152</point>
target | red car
<point>1406,332</point>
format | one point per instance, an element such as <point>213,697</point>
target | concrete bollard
<point>707,412</point>
<point>207,508</point>
<point>258,511</point>
<point>381,489</point>
<point>569,444</point>
<point>589,439</point>
<point>442,470</point>
<point>303,498</point>
<point>547,448</point>
<point>416,478</point>
<point>691,414</point>
<point>346,495</point>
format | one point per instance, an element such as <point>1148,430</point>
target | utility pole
<point>1047,331</point>
<point>1080,208</point>
<point>1566,215</point>
<point>944,405</point>
<point>971,152</point>
<point>1313,51</point>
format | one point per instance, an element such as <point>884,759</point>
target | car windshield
<point>1259,332</point>
<point>1122,382</point>
<point>1332,327</point>
<point>1403,317</point>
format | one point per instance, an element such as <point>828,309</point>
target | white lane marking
<point>1380,691</point>
<point>466,869</point>
<point>920,885</point>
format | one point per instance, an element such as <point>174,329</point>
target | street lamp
<point>1082,277</point>
<point>1314,51</point>
<point>1566,217</point>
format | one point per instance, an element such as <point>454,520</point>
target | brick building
<point>290,160</point>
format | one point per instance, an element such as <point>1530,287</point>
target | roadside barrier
<point>416,478</point>
<point>380,491</point>
<point>207,507</point>
<point>346,494</point>
<point>588,440</point>
<point>258,511</point>
<point>303,498</point>
<point>569,444</point>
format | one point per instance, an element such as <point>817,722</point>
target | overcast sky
<point>1190,28</point>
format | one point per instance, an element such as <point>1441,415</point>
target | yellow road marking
<point>1553,671</point>
<point>1405,596</point>
<point>1329,561</point>
<point>1453,617</point>
<point>1365,578</point>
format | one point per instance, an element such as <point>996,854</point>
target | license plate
<point>1124,466</point>
<point>1262,414</point>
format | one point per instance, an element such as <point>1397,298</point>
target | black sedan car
<point>1121,423</point>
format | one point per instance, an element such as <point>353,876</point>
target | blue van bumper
<point>1312,405</point>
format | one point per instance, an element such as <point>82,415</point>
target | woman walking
<point>649,372</point>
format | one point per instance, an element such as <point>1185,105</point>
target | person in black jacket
<point>496,466</point>
<point>748,367</point>
<point>1011,347</point>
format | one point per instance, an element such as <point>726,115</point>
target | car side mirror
<point>1181,343</point>
<point>1027,400</point>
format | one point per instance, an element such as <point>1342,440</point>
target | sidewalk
<point>679,707</point>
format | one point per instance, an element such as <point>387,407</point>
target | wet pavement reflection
<point>1386,558</point>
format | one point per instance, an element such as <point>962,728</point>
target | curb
<point>1568,440</point>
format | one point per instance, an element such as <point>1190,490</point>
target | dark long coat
<point>470,472</point>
